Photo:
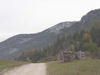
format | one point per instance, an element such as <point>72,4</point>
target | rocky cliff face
<point>57,28</point>
<point>87,20</point>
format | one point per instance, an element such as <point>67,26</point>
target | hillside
<point>14,46</point>
<point>87,41</point>
<point>86,21</point>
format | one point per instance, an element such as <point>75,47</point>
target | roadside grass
<point>76,67</point>
<point>4,64</point>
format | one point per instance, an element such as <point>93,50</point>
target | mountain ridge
<point>19,43</point>
<point>14,46</point>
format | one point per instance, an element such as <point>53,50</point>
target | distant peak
<point>93,14</point>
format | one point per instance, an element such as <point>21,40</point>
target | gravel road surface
<point>30,69</point>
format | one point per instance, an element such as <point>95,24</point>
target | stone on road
<point>29,69</point>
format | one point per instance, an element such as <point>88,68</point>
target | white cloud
<point>31,16</point>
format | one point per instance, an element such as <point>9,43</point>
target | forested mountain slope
<point>14,46</point>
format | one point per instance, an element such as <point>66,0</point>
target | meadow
<point>76,67</point>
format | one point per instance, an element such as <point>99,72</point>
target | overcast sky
<point>32,16</point>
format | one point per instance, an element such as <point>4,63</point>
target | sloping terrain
<point>14,46</point>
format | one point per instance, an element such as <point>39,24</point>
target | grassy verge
<point>83,67</point>
<point>4,64</point>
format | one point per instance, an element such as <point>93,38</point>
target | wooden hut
<point>67,56</point>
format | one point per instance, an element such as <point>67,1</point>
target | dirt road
<point>30,69</point>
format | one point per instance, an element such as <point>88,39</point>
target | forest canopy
<point>84,40</point>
